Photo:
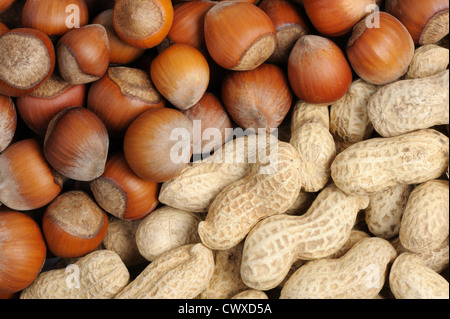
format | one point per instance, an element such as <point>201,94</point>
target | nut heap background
<point>91,90</point>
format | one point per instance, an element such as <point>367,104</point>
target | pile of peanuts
<point>357,207</point>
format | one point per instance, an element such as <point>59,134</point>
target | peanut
<point>428,60</point>
<point>385,211</point>
<point>164,229</point>
<point>200,182</point>
<point>311,136</point>
<point>181,273</point>
<point>408,105</point>
<point>98,275</point>
<point>226,280</point>
<point>258,195</point>
<point>121,238</point>
<point>355,236</point>
<point>376,164</point>
<point>251,294</point>
<point>276,242</point>
<point>349,121</point>
<point>411,279</point>
<point>436,259</point>
<point>425,222</point>
<point>359,274</point>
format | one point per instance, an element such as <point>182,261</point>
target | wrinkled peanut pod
<point>349,121</point>
<point>311,136</point>
<point>425,222</point>
<point>121,238</point>
<point>181,273</point>
<point>428,60</point>
<point>200,182</point>
<point>355,236</point>
<point>304,112</point>
<point>226,280</point>
<point>436,259</point>
<point>359,274</point>
<point>302,203</point>
<point>164,229</point>
<point>377,164</point>
<point>410,279</point>
<point>276,242</point>
<point>385,211</point>
<point>260,194</point>
<point>251,294</point>
<point>408,105</point>
<point>98,275</point>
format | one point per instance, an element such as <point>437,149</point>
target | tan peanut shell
<point>436,259</point>
<point>200,182</point>
<point>121,238</point>
<point>302,203</point>
<point>164,229</point>
<point>385,210</point>
<point>98,275</point>
<point>181,273</point>
<point>251,294</point>
<point>359,274</point>
<point>428,60</point>
<point>408,105</point>
<point>410,279</point>
<point>349,120</point>
<point>276,242</point>
<point>226,280</point>
<point>425,222</point>
<point>260,194</point>
<point>376,164</point>
<point>355,236</point>
<point>311,136</point>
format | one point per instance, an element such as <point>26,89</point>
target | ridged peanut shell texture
<point>425,222</point>
<point>310,135</point>
<point>196,187</point>
<point>27,181</point>
<point>181,273</point>
<point>359,274</point>
<point>166,228</point>
<point>410,278</point>
<point>409,105</point>
<point>239,206</point>
<point>76,144</point>
<point>239,36</point>
<point>98,275</point>
<point>276,242</point>
<point>374,165</point>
